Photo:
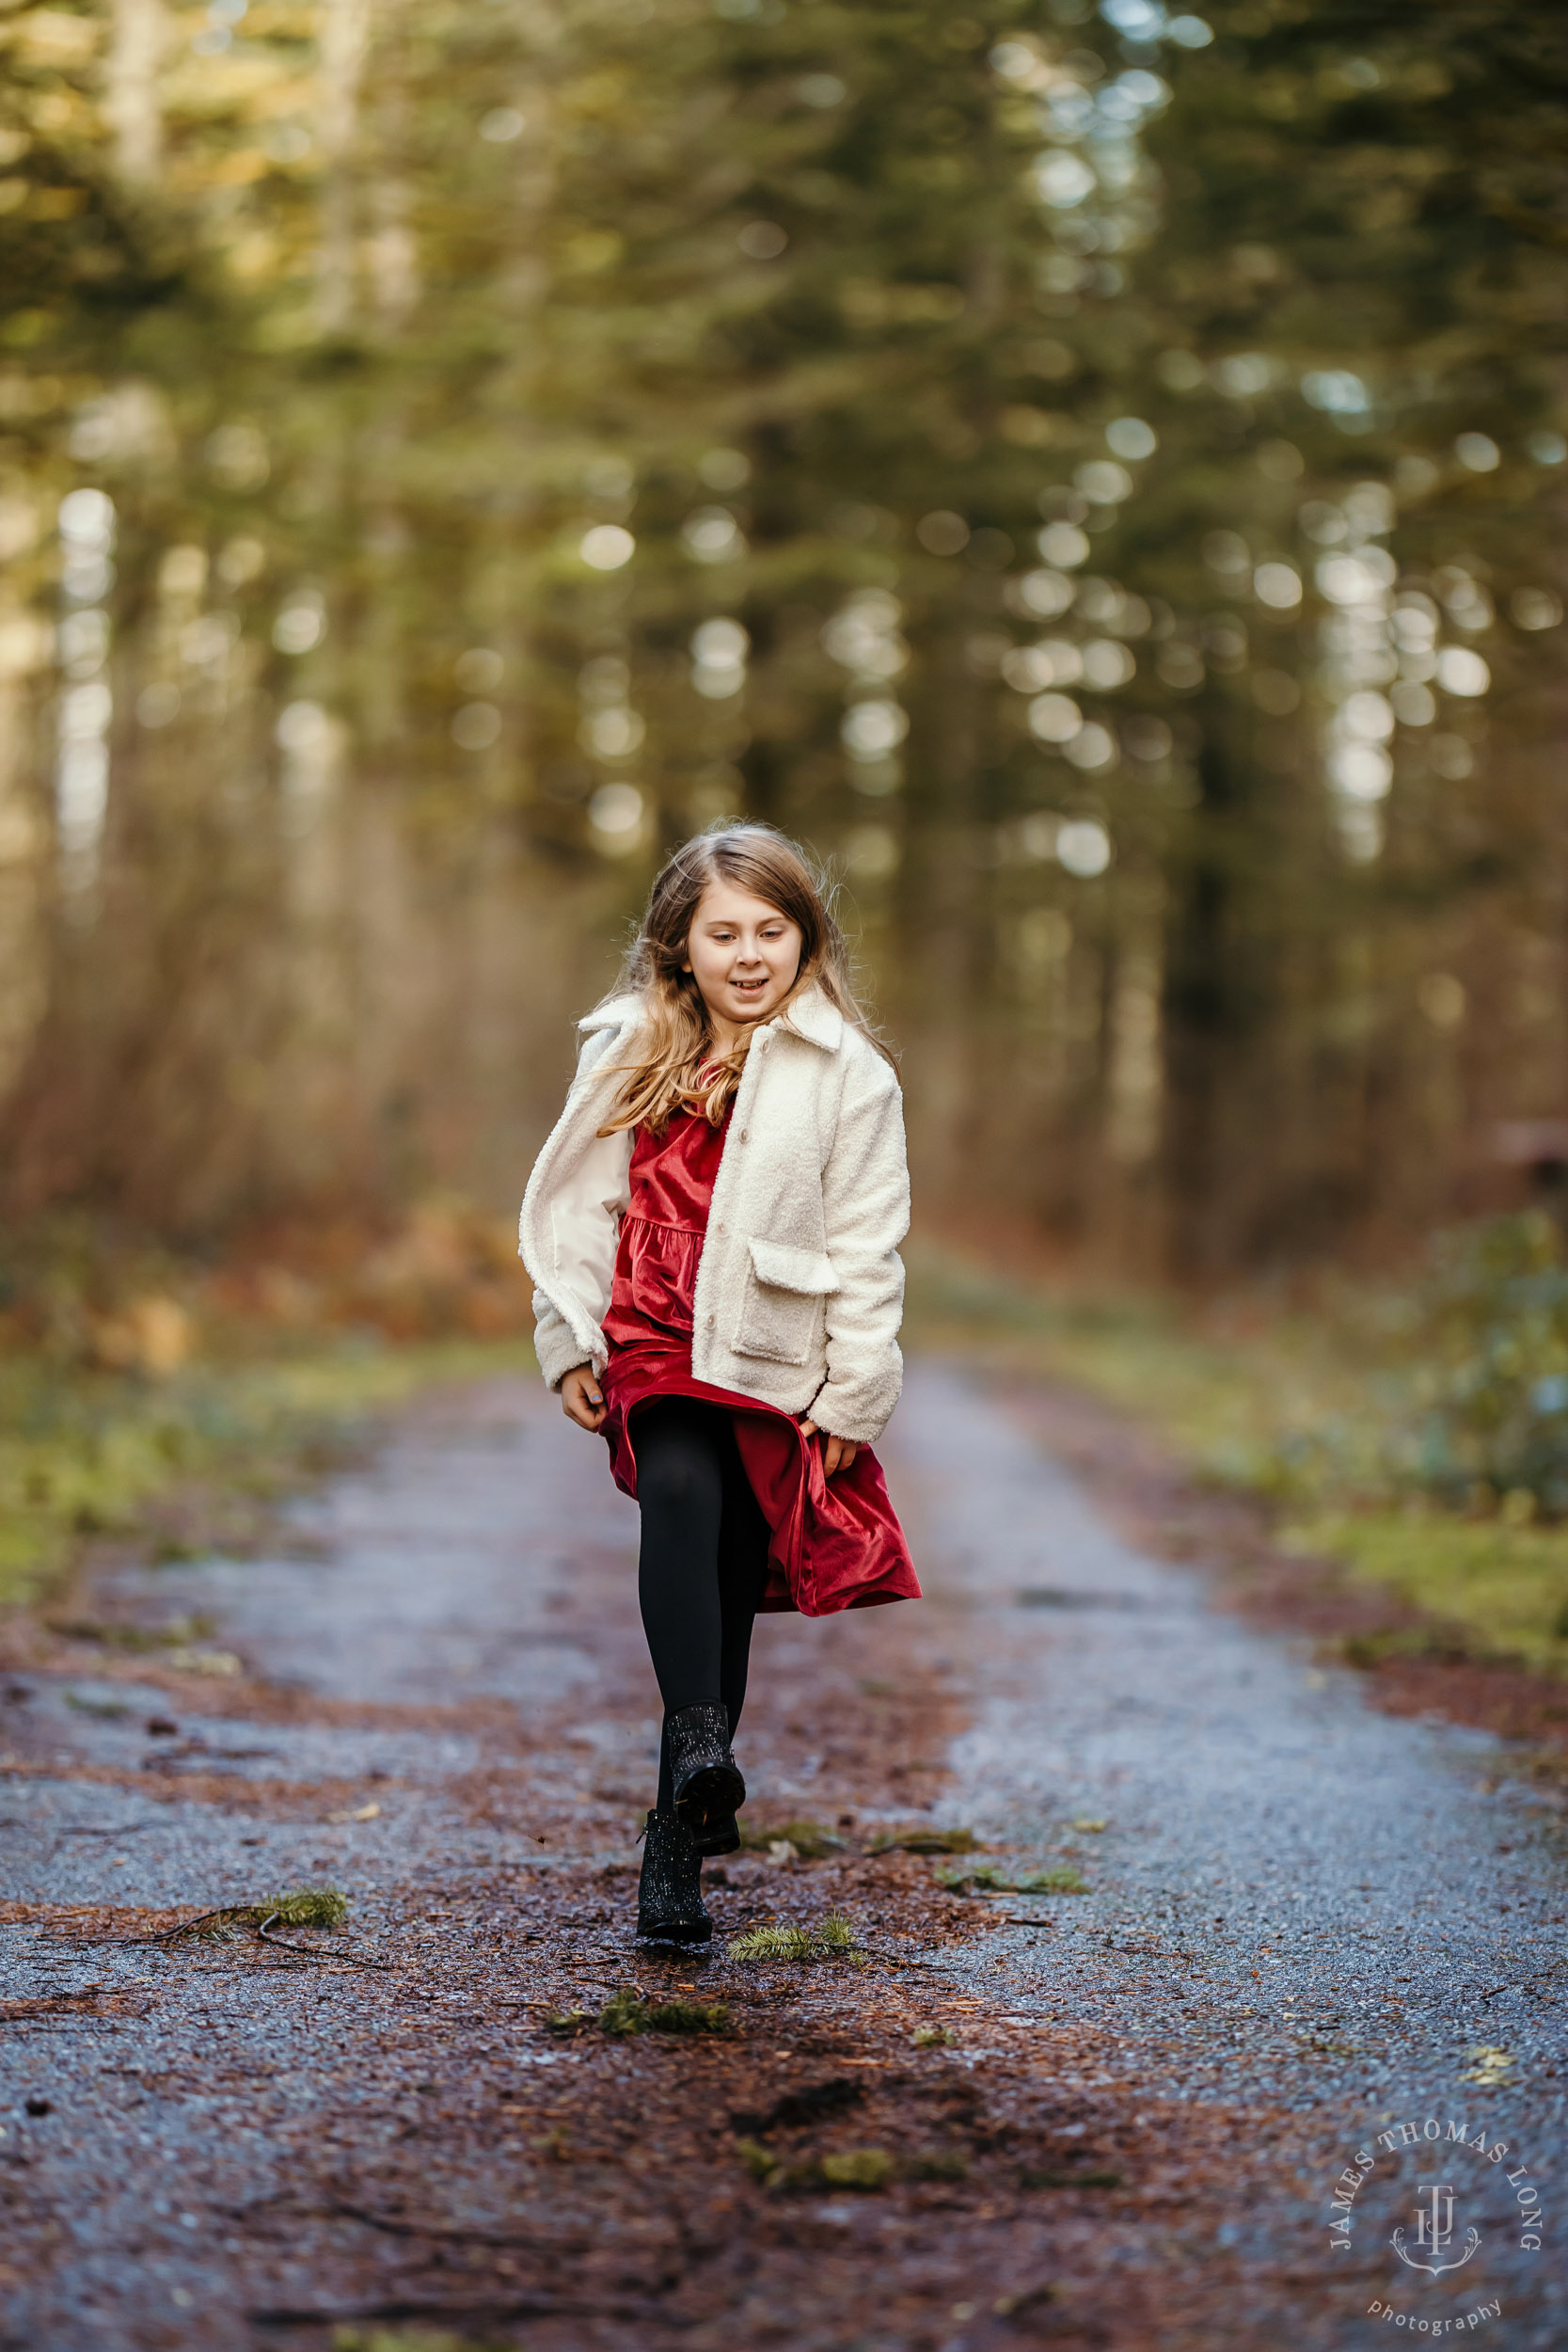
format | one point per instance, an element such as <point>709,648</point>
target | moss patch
<point>629,2013</point>
<point>297,1907</point>
<point>1379,1425</point>
<point>1497,1591</point>
<point>1002,1879</point>
<point>86,1451</point>
<point>866,2170</point>
<point>810,1839</point>
<point>922,1839</point>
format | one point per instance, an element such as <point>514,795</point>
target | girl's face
<point>744,956</point>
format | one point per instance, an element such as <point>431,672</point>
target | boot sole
<point>675,1931</point>
<point>708,1796</point>
<point>717,1837</point>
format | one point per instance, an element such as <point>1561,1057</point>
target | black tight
<point>703,1561</point>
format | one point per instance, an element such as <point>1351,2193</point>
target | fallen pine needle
<point>833,1938</point>
<point>305,1951</point>
<point>300,1907</point>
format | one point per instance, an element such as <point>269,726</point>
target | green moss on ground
<point>1493,1591</point>
<point>85,1452</point>
<point>863,2169</point>
<point>629,2012</point>
<point>924,1840</point>
<point>1000,1877</point>
<point>811,1840</point>
<point>1380,1426</point>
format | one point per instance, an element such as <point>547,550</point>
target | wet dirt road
<point>1114,2117</point>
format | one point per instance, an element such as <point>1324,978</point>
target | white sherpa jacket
<point>799,1287</point>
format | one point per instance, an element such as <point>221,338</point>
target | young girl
<point>713,1229</point>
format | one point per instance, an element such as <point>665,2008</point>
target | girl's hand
<point>837,1453</point>
<point>583,1399</point>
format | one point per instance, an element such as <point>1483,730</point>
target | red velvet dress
<point>835,1542</point>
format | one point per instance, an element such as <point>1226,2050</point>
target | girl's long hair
<point>676,1066</point>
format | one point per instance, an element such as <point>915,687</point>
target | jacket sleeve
<point>555,1342</point>
<point>568,1234</point>
<point>865,1199</point>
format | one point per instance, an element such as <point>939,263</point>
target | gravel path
<point>1127,2109</point>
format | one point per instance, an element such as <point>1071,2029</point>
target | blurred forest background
<point>1096,476</point>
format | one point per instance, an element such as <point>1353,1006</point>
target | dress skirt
<point>835,1543</point>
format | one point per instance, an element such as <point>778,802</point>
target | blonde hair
<point>676,1066</point>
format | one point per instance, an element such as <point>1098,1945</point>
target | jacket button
<point>743,1134</point>
<point>711,1321</point>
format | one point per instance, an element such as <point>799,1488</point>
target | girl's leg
<point>704,1560</point>
<point>742,1575</point>
<point>688,1592</point>
<point>680,1488</point>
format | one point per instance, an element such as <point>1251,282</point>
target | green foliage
<point>628,2011</point>
<point>1488,1590</point>
<point>625,2013</point>
<point>566,2024</point>
<point>867,2169</point>
<point>1490,1330</point>
<point>85,1452</point>
<point>760,2162</point>
<point>833,1937</point>
<point>1382,1425</point>
<point>924,1840</point>
<point>811,1841</point>
<point>689,2017</point>
<point>305,1907</point>
<point>830,310</point>
<point>296,1907</point>
<point>782,1942</point>
<point>1001,1879</point>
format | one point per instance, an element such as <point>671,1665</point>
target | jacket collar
<point>812,1016</point>
<point>616,1012</point>
<point>815,1017</point>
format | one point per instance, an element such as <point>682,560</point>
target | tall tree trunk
<point>132,100</point>
<point>345,44</point>
<point>24,838</point>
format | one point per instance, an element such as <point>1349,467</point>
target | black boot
<point>720,1834</point>
<point>669,1893</point>
<point>708,1790</point>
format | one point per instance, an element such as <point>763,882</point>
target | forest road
<point>1287,2071</point>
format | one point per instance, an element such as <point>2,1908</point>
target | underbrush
<point>1416,1433</point>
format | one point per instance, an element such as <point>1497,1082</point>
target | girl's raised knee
<point>675,1476</point>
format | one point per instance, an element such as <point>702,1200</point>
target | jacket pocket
<point>781,1311</point>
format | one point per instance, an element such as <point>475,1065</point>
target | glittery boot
<point>669,1905</point>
